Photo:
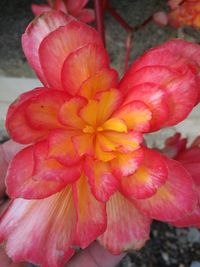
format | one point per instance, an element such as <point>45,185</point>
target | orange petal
<point>136,115</point>
<point>91,57</point>
<point>115,124</point>
<point>84,144</point>
<point>126,164</point>
<point>101,81</point>
<point>69,112</point>
<point>127,228</point>
<point>88,227</point>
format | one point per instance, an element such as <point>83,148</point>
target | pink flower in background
<point>85,173</point>
<point>75,8</point>
<point>189,157</point>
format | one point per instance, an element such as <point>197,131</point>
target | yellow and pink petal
<point>174,200</point>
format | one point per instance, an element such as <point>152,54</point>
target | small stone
<point>165,256</point>
<point>193,235</point>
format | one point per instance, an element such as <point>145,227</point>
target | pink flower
<point>189,157</point>
<point>74,8</point>
<point>86,174</point>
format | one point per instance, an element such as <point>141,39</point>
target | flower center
<point>91,129</point>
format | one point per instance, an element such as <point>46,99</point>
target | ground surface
<point>168,246</point>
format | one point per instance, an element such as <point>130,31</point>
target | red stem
<point>99,18</point>
<point>128,45</point>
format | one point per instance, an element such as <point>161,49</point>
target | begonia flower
<point>85,173</point>
<point>189,157</point>
<point>182,13</point>
<point>75,8</point>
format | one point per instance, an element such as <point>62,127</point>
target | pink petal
<point>51,222</point>
<point>155,98</point>
<point>57,46</point>
<point>62,149</point>
<point>101,81</point>
<point>16,120</point>
<point>126,164</point>
<point>86,15</point>
<point>36,32</point>
<point>147,179</point>
<point>127,228</point>
<point>136,115</point>
<point>174,200</point>
<point>39,9</point>
<point>21,182</point>
<point>88,227</point>
<point>103,183</point>
<point>75,6</point>
<point>91,58</point>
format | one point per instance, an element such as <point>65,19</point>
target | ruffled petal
<point>136,115</point>
<point>62,149</point>
<point>36,31</point>
<point>126,164</point>
<point>155,98</point>
<point>88,227</point>
<point>25,178</point>
<point>81,65</point>
<point>39,9</point>
<point>57,46</point>
<point>100,81</point>
<point>174,200</point>
<point>51,222</point>
<point>16,120</point>
<point>102,182</point>
<point>127,228</point>
<point>48,168</point>
<point>148,178</point>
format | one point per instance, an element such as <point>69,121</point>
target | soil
<point>168,246</point>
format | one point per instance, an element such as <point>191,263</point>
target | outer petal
<point>155,98</point>
<point>39,9</point>
<point>88,227</point>
<point>150,175</point>
<point>56,47</point>
<point>75,6</point>
<point>62,149</point>
<point>126,164</point>
<point>103,183</point>
<point>23,180</point>
<point>126,228</point>
<point>174,200</point>
<point>16,121</point>
<point>36,32</point>
<point>101,81</point>
<point>136,115</point>
<point>50,221</point>
<point>81,65</point>
<point>34,114</point>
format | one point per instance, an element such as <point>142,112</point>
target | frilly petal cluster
<point>75,8</point>
<point>85,173</point>
<point>182,13</point>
